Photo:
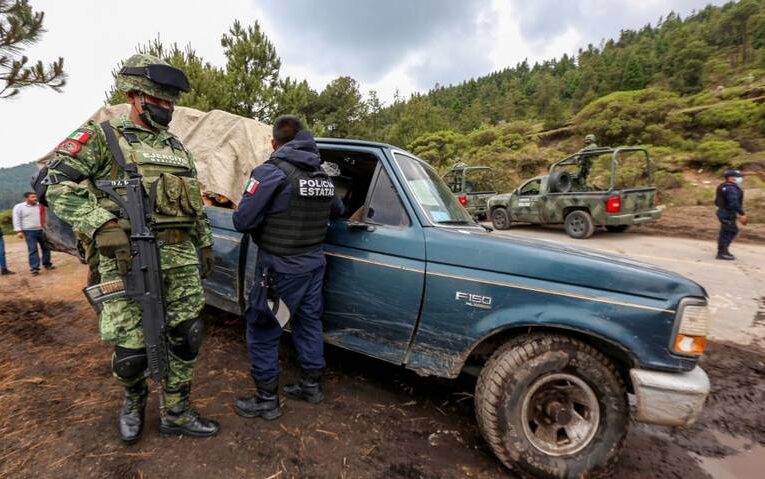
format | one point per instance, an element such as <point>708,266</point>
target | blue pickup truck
<point>559,338</point>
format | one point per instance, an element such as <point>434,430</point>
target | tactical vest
<point>169,178</point>
<point>302,227</point>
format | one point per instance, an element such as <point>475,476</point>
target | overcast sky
<point>405,45</point>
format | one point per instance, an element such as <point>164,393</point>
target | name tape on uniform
<point>316,188</point>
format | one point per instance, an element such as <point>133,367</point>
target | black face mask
<point>156,116</point>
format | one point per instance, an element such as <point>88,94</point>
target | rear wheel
<point>500,219</point>
<point>617,228</point>
<point>579,224</point>
<point>552,406</point>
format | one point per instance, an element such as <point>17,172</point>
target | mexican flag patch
<point>80,136</point>
<point>252,186</point>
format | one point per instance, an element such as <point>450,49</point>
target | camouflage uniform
<point>86,209</point>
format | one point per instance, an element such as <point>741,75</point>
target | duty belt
<point>173,236</point>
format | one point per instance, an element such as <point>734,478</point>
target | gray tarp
<point>226,147</point>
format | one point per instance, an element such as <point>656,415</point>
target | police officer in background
<point>287,204</point>
<point>730,206</point>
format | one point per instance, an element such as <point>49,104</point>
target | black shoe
<point>307,389</point>
<point>50,267</point>
<point>131,418</point>
<point>6,272</point>
<point>183,420</point>
<point>35,272</point>
<point>265,402</point>
<point>726,256</point>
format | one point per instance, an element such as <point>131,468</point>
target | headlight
<point>692,325</point>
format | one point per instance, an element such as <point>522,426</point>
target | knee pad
<point>129,363</point>
<point>186,339</point>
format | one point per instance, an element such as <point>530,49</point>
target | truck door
<point>527,202</point>
<point>375,272</point>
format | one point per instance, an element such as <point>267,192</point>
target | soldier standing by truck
<point>178,221</point>
<point>730,208</point>
<point>286,207</point>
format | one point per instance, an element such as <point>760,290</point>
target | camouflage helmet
<point>590,138</point>
<point>127,82</point>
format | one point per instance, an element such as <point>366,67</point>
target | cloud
<point>367,39</point>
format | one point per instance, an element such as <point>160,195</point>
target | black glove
<point>113,242</point>
<point>206,260</point>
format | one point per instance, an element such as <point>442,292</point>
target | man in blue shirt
<point>286,208</point>
<point>730,207</point>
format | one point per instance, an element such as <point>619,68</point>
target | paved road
<point>736,289</point>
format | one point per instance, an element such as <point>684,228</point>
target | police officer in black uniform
<point>730,207</point>
<point>287,205</point>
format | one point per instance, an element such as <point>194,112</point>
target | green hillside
<point>14,182</point>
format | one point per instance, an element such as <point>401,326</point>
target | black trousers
<point>728,231</point>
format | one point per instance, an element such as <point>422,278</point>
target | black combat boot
<point>132,413</point>
<point>307,389</point>
<point>725,254</point>
<point>6,272</point>
<point>265,402</point>
<point>183,420</point>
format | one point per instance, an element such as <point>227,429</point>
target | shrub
<point>716,153</point>
<point>622,117</point>
<point>669,181</point>
<point>730,115</point>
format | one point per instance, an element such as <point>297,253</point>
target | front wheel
<point>552,406</point>
<point>500,219</point>
<point>579,225</point>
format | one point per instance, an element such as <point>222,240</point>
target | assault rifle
<point>143,283</point>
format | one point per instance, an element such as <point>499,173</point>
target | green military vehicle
<point>610,187</point>
<point>473,186</point>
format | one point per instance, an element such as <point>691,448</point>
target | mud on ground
<point>59,406</point>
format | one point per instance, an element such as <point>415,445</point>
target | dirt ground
<point>59,406</point>
<point>699,222</point>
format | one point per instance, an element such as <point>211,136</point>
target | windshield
<point>430,191</point>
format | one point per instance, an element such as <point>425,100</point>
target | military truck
<point>609,187</point>
<point>472,186</point>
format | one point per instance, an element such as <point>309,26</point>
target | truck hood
<point>555,262</point>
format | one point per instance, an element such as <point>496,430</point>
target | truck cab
<point>558,337</point>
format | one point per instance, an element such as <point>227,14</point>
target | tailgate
<point>638,200</point>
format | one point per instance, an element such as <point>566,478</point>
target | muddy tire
<point>500,218</point>
<point>579,225</point>
<point>552,406</point>
<point>617,228</point>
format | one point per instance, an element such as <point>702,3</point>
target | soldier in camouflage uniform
<point>184,234</point>
<point>589,142</point>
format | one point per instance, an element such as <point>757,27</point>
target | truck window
<point>531,188</point>
<point>385,206</point>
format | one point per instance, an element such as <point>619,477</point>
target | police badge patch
<point>69,147</point>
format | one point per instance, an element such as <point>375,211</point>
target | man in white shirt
<point>28,218</point>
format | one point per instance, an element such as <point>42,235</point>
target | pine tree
<point>20,26</point>
<point>252,71</point>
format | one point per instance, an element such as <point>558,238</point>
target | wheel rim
<point>576,225</point>
<point>500,219</point>
<point>560,414</point>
